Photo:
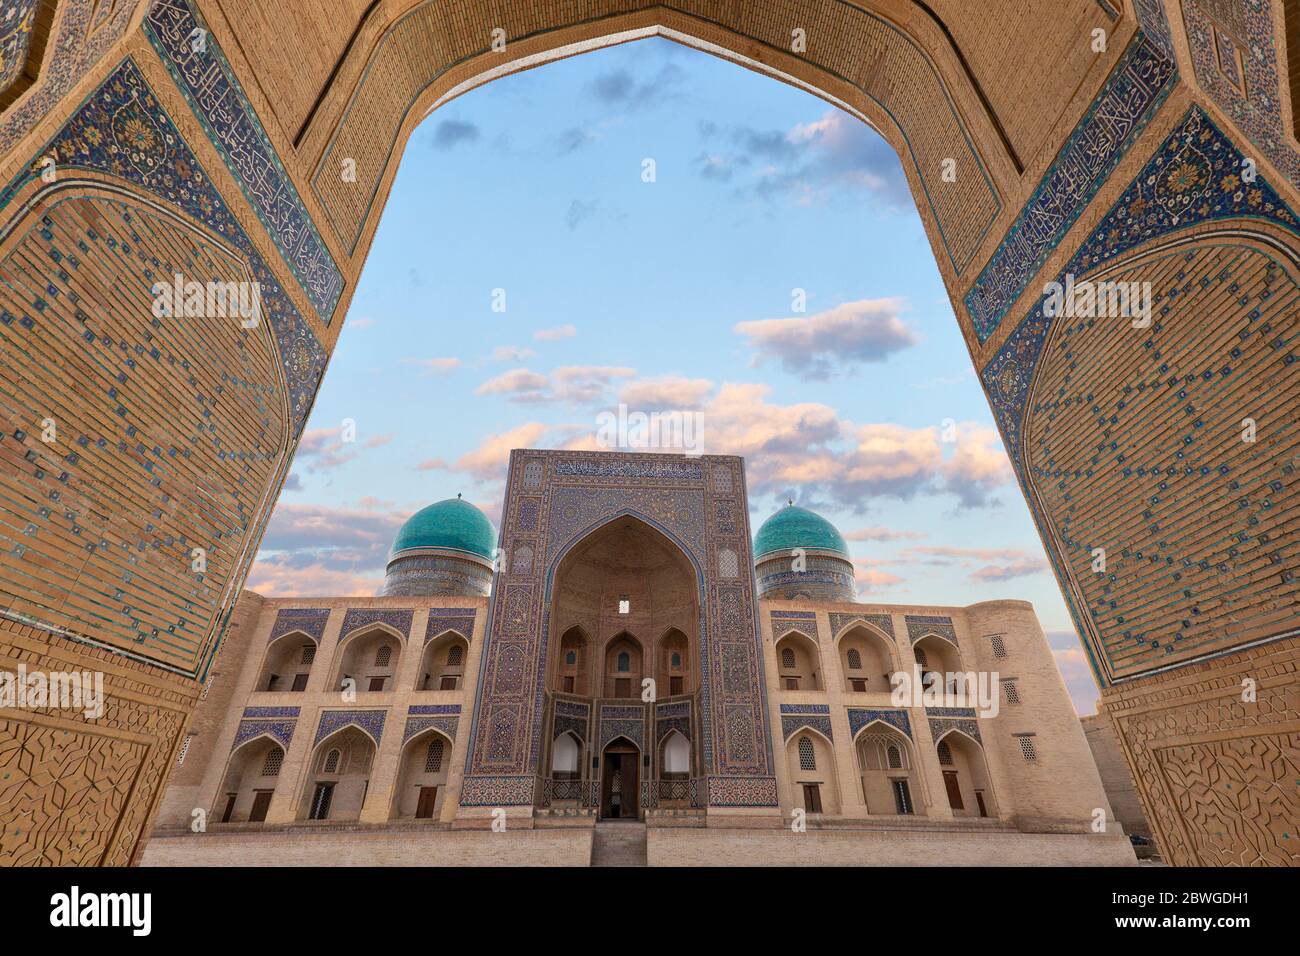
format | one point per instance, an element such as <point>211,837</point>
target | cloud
<point>361,323</point>
<point>573,139</point>
<point>523,385</point>
<point>1023,567</point>
<point>555,334</point>
<point>881,533</point>
<point>568,384</point>
<point>580,211</point>
<point>666,392</point>
<point>622,89</point>
<point>450,133</point>
<point>810,162</point>
<point>871,579</point>
<point>489,461</point>
<point>511,353</point>
<point>813,347</point>
<point>435,366</point>
<point>273,578</point>
<point>293,482</point>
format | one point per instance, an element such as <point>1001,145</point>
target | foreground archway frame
<point>240,140</point>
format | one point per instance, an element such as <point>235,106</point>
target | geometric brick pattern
<point>1218,772</point>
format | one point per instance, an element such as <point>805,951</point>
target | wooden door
<point>954,790</point>
<point>812,798</point>
<point>261,803</point>
<point>428,798</point>
<point>620,790</point>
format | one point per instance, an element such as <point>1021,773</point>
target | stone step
<point>619,844</point>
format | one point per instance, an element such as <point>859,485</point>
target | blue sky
<point>675,294</point>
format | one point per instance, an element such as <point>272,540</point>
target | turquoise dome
<point>453,525</point>
<point>795,527</point>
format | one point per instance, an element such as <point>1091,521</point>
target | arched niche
<point>443,662</point>
<point>288,663</point>
<point>421,782</point>
<point>369,657</point>
<point>338,776</point>
<point>249,781</point>
<point>867,659</point>
<point>967,784</point>
<point>887,769</point>
<point>810,766</point>
<point>798,662</point>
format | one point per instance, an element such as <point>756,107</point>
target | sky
<point>648,225</point>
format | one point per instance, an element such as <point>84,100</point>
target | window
<point>320,801</point>
<point>624,662</point>
<point>185,748</point>
<point>1027,749</point>
<point>945,753</point>
<point>675,662</point>
<point>902,797</point>
<point>674,685</point>
<point>999,648</point>
<point>855,659</point>
<point>448,682</point>
<point>1011,691</point>
<point>272,681</point>
<point>299,682</point>
<point>623,687</point>
<point>624,605</point>
<point>568,685</point>
<point>858,684</point>
<point>274,760</point>
<point>376,683</point>
<point>571,659</point>
<point>807,756</point>
<point>895,758</point>
<point>790,683</point>
<point>433,756</point>
<point>787,658</point>
<point>332,761</point>
<point>455,655</point>
<point>309,654</point>
<point>921,658</point>
<point>383,656</point>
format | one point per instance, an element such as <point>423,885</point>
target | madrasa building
<point>624,674</point>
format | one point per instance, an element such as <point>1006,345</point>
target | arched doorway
<point>249,782</point>
<point>338,777</point>
<point>965,776</point>
<point>620,780</point>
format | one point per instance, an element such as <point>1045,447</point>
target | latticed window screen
<point>383,656</point>
<point>309,653</point>
<point>433,757</point>
<point>807,756</point>
<point>855,659</point>
<point>274,760</point>
<point>787,658</point>
<point>185,747</point>
<point>1012,692</point>
<point>676,660</point>
<point>895,758</point>
<point>332,761</point>
<point>945,754</point>
<point>455,655</point>
<point>999,648</point>
<point>624,662</point>
<point>921,658</point>
<point>1027,749</point>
